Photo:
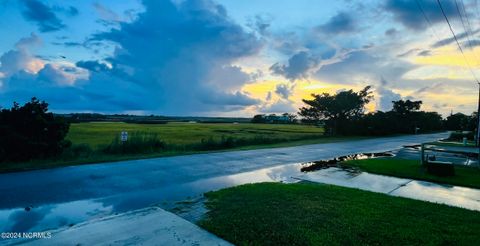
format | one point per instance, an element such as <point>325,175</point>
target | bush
<point>31,132</point>
<point>138,142</point>
<point>76,151</point>
<point>212,144</point>
<point>231,142</point>
<point>458,136</point>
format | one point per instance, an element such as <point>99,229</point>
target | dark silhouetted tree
<point>457,121</point>
<point>406,107</point>
<point>30,132</point>
<point>336,110</point>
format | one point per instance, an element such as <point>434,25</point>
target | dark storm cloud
<point>94,66</point>
<point>343,22</point>
<point>359,66</point>
<point>409,14</point>
<point>298,66</point>
<point>42,15</point>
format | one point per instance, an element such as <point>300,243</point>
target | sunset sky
<point>236,57</point>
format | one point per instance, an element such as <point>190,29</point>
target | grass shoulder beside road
<point>464,176</point>
<point>316,214</point>
<point>179,138</point>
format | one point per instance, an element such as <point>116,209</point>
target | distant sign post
<point>124,136</point>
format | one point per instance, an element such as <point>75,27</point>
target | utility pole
<point>478,123</point>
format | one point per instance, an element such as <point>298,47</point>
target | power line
<point>456,40</point>
<point>467,30</point>
<point>476,7</point>
<point>466,17</point>
<point>427,19</point>
<point>430,24</point>
<point>419,5</point>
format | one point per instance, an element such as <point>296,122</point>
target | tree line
<point>32,132</point>
<point>344,113</point>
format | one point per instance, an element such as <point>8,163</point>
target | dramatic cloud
<point>57,75</point>
<point>25,76</point>
<point>341,23</point>
<point>20,58</point>
<point>42,15</point>
<point>191,57</point>
<point>360,67</point>
<point>299,66</point>
<point>94,66</point>
<point>175,58</point>
<point>409,14</point>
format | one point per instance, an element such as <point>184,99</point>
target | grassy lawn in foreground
<point>180,137</point>
<point>464,176</point>
<point>316,214</point>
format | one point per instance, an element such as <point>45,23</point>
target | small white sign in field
<point>124,136</point>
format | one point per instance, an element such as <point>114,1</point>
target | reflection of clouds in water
<point>420,190</point>
<point>51,216</point>
<point>447,194</point>
<point>284,173</point>
<point>22,220</point>
<point>47,217</point>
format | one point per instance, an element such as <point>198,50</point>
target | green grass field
<point>316,214</point>
<point>99,134</point>
<point>90,139</point>
<point>464,176</point>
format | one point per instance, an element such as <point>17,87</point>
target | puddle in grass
<point>169,197</point>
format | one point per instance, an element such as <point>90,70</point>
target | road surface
<point>69,195</point>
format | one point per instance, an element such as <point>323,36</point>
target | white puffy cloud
<point>385,96</point>
<point>21,58</point>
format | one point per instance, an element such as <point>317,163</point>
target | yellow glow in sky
<point>451,56</point>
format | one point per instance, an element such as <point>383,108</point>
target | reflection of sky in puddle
<point>365,181</point>
<point>451,195</point>
<point>51,216</point>
<point>64,214</point>
<point>420,190</point>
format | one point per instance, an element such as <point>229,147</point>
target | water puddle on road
<point>336,162</point>
<point>66,214</point>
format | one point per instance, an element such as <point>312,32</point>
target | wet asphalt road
<point>60,185</point>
